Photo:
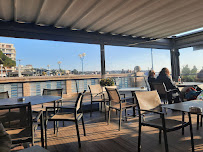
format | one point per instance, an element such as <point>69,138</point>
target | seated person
<point>151,78</point>
<point>5,140</point>
<point>164,77</point>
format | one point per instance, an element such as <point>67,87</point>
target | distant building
<point>8,50</point>
<point>15,74</point>
<point>26,68</point>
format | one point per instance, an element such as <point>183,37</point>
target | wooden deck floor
<point>106,138</point>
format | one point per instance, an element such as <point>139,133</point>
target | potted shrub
<point>107,82</point>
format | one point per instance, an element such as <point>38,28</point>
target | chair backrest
<point>53,92</point>
<point>78,103</point>
<point>160,87</point>
<point>17,116</point>
<point>95,89</point>
<point>148,100</point>
<point>200,86</point>
<point>4,95</point>
<point>113,94</point>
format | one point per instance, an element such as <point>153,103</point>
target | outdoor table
<point>132,90</point>
<point>188,84</point>
<point>34,100</point>
<point>184,107</point>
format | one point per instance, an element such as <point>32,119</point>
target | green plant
<point>7,62</point>
<point>107,82</point>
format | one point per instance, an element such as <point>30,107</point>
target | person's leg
<point>169,96</point>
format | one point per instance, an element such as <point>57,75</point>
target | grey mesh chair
<point>54,92</point>
<point>74,116</point>
<point>97,95</point>
<point>115,102</point>
<point>17,120</point>
<point>162,91</point>
<point>149,102</point>
<point>4,95</point>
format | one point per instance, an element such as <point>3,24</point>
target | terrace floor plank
<point>106,138</point>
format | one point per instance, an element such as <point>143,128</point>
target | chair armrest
<point>171,90</point>
<point>122,94</point>
<point>161,113</point>
<point>56,108</point>
<point>38,116</point>
<point>67,107</point>
<point>100,93</point>
<point>127,98</point>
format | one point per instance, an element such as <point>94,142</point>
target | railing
<point>16,89</point>
<point>120,82</point>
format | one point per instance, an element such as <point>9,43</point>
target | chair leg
<point>126,114</point>
<point>134,111</point>
<point>83,124</point>
<point>139,135</point>
<point>91,110</point>
<point>165,140</point>
<point>159,136</point>
<point>105,109</point>
<point>197,121</point>
<point>78,134</point>
<point>57,128</point>
<point>33,136</point>
<point>46,134</point>
<point>120,117</point>
<point>191,132</point>
<point>109,115</point>
<point>101,107</point>
<point>54,127</point>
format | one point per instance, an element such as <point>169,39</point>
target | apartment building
<point>8,50</point>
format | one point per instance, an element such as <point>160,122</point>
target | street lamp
<point>48,69</point>
<point>82,58</point>
<point>152,59</point>
<point>41,71</point>
<point>59,63</point>
<point>1,70</point>
<point>19,66</point>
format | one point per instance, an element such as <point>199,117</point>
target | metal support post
<point>103,68</point>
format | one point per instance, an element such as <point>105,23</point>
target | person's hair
<point>164,71</point>
<point>151,73</point>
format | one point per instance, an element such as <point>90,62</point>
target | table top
<point>133,89</point>
<point>188,84</point>
<point>184,106</point>
<point>33,99</point>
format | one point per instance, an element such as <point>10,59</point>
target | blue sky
<point>40,53</point>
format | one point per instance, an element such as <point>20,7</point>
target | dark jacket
<point>150,81</point>
<point>167,81</point>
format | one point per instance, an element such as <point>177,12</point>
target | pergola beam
<point>32,31</point>
<point>189,40</point>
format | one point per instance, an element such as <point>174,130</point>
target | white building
<point>8,50</point>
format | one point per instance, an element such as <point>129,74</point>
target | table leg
<point>183,119</point>
<point>42,129</point>
<point>54,114</point>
